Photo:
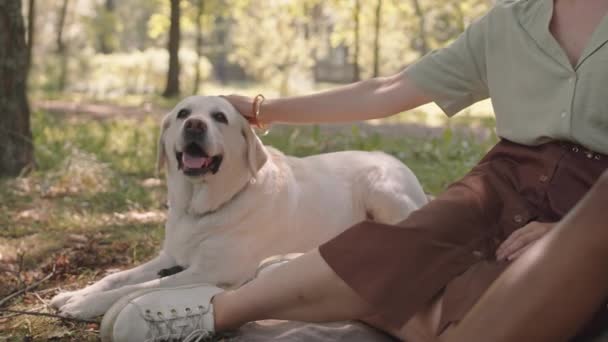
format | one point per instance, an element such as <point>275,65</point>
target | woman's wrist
<point>266,115</point>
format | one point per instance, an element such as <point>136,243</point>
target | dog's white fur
<point>260,203</point>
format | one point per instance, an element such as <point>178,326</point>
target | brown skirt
<point>449,245</point>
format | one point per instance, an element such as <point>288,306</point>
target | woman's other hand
<point>522,239</point>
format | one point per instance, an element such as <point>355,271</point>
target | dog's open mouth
<point>194,161</point>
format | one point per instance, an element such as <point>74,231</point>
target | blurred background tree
<point>144,47</point>
<point>16,149</point>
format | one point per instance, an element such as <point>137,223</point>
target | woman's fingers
<point>511,241</point>
<point>519,242</point>
<point>243,105</point>
<point>520,252</point>
<point>521,238</point>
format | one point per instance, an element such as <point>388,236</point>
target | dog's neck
<point>202,198</point>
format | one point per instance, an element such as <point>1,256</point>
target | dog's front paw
<point>63,297</point>
<point>84,307</point>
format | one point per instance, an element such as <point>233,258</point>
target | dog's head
<point>204,136</point>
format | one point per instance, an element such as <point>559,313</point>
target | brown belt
<point>583,151</point>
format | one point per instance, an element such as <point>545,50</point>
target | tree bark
<point>199,44</point>
<point>61,48</point>
<point>172,88</point>
<point>357,19</point>
<point>31,30</point>
<point>16,150</point>
<point>377,38</point>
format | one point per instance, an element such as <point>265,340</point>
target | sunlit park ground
<point>94,204</point>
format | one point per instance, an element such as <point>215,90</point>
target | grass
<point>93,203</point>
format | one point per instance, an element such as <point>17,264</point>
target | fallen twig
<point>51,289</point>
<point>46,304</point>
<point>31,313</point>
<point>17,314</point>
<point>32,286</point>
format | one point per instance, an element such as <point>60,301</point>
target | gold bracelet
<point>257,110</point>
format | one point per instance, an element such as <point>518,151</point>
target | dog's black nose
<point>195,127</point>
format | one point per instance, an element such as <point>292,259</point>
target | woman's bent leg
<point>553,289</point>
<point>305,289</point>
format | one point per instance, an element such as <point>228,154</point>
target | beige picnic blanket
<point>290,331</point>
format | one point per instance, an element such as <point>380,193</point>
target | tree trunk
<point>61,48</point>
<point>377,38</point>
<point>106,33</point>
<point>220,64</point>
<point>460,14</point>
<point>16,150</point>
<point>423,44</point>
<point>31,30</point>
<point>199,44</point>
<point>357,19</point>
<point>172,88</point>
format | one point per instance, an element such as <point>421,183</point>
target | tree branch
<point>31,313</point>
<point>30,287</point>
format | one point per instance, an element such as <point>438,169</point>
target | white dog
<point>234,202</point>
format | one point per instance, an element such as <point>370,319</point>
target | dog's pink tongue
<point>193,162</point>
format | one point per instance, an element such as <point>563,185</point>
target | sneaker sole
<point>109,318</point>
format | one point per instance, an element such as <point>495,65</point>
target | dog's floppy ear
<point>161,154</point>
<point>256,152</point>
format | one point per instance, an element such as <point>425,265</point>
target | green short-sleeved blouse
<point>510,56</point>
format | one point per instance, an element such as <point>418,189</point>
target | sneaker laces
<point>188,327</point>
<point>198,335</point>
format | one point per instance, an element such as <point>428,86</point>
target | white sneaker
<point>160,314</point>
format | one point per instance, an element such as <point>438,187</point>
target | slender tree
<point>31,30</point>
<point>423,41</point>
<point>61,47</point>
<point>172,88</point>
<point>377,38</point>
<point>199,44</point>
<point>16,150</point>
<point>107,27</point>
<point>357,20</point>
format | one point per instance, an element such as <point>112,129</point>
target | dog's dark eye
<point>184,113</point>
<point>219,117</point>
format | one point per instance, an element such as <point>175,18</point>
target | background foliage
<point>277,41</point>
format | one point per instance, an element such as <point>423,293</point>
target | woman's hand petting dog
<point>244,105</point>
<point>522,239</point>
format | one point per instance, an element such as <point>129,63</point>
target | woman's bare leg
<point>553,289</point>
<point>305,289</point>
